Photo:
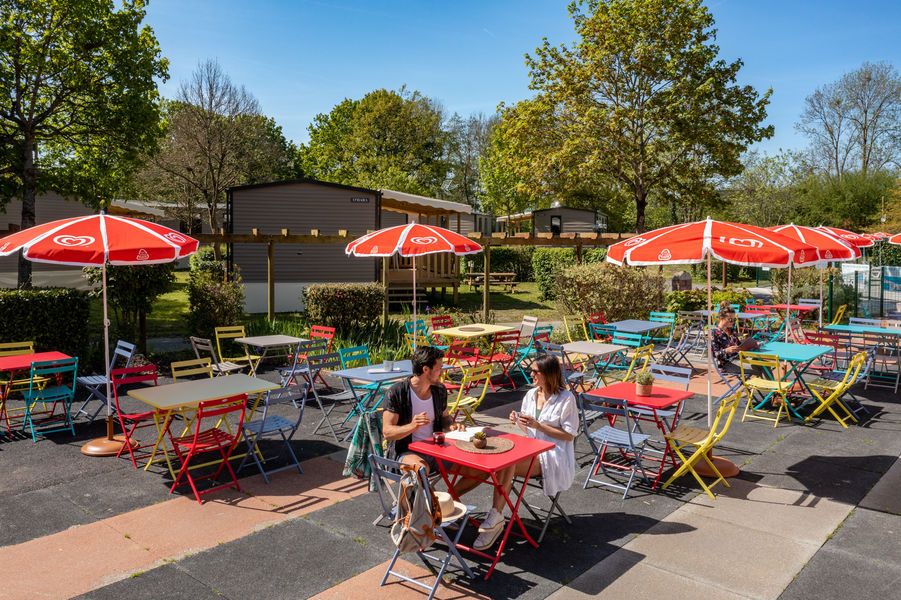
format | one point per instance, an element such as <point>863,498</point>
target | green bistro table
<point>799,356</point>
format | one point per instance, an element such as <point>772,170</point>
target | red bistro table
<point>661,398</point>
<point>524,448</point>
<point>15,364</point>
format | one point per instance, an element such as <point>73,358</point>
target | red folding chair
<point>131,422</point>
<point>828,362</point>
<point>503,353</point>
<point>211,439</point>
<point>459,356</point>
<point>321,332</point>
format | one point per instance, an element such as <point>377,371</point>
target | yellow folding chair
<point>20,384</point>
<point>833,390</point>
<point>570,321</point>
<point>640,359</point>
<point>777,387</point>
<point>421,341</point>
<point>837,318</point>
<point>229,333</point>
<point>195,366</point>
<point>703,441</point>
<point>467,402</point>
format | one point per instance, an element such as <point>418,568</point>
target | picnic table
<point>505,280</point>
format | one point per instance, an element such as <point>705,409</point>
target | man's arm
<point>392,431</point>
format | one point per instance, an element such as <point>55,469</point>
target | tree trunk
<point>142,337</point>
<point>641,203</point>
<point>214,228</point>
<point>29,192</point>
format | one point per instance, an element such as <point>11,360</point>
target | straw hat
<point>450,509</point>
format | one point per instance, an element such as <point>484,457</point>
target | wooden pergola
<point>572,240</point>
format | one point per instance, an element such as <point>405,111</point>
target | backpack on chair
<point>416,515</point>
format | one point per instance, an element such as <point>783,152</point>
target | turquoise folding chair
<point>63,373</point>
<point>664,317</point>
<point>358,356</point>
<point>421,329</point>
<point>599,332</point>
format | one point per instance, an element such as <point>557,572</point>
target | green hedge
<point>503,260</point>
<point>345,306</point>
<point>53,318</point>
<point>618,292</point>
<point>696,299</point>
<point>547,264</point>
<point>214,302</point>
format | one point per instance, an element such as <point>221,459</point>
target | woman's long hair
<point>549,366</point>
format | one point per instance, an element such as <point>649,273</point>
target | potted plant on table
<point>479,440</point>
<point>644,383</point>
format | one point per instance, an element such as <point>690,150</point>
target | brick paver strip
<point>90,556</point>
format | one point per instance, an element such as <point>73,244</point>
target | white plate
<point>394,370</point>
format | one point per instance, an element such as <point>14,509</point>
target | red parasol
<point>412,239</point>
<point>849,236</point>
<point>95,240</point>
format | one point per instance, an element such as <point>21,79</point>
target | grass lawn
<point>169,316</point>
<point>504,306</point>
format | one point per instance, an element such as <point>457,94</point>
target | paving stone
<point>834,575</point>
<point>869,535</point>
<point>38,513</point>
<point>884,496</point>
<point>154,584</point>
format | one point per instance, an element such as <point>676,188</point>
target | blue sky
<point>302,57</point>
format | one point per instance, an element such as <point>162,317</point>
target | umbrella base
<point>105,446</point>
<point>724,465</point>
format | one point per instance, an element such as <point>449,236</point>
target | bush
<point>503,260</point>
<point>345,306</point>
<point>214,302</point>
<point>547,263</point>
<point>696,299</point>
<point>805,283</point>
<point>594,255</point>
<point>205,260</point>
<point>620,292</point>
<point>54,318</point>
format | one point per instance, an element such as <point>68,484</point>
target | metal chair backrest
<point>229,332</point>
<point>839,314</point>
<point>663,317</point>
<point>186,368</point>
<point>598,332</point>
<point>285,395</point>
<point>623,338</point>
<point>854,367</point>
<point>321,332</point>
<point>131,375</point>
<point>862,321</point>
<point>356,356</point>
<point>385,469</point>
<point>330,361</point>
<point>570,321</point>
<point>768,362</point>
<point>543,333</point>
<point>510,338</point>
<point>16,348</point>
<point>441,322</point>
<point>420,327</point>
<point>680,375</point>
<point>598,318</point>
<point>204,345</point>
<point>726,409</point>
<point>64,371</point>
<point>458,353</point>
<point>527,327</point>
<point>124,350</point>
<point>612,408</point>
<point>810,302</point>
<point>419,341</point>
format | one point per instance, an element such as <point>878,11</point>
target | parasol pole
<point>788,303</point>
<point>709,345</point>
<point>415,331</point>
<point>822,268</point>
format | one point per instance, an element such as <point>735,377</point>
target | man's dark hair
<point>425,356</point>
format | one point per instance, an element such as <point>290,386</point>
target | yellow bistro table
<point>178,398</point>
<point>472,331</point>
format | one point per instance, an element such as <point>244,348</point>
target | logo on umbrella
<point>665,254</point>
<point>632,241</point>
<point>742,243</point>
<point>423,241</point>
<point>73,240</point>
<point>178,239</point>
<point>143,255</point>
<point>4,246</point>
<point>828,254</point>
<point>803,256</point>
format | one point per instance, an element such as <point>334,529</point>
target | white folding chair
<point>96,384</point>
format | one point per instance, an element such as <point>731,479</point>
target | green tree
<point>215,138</point>
<point>468,142</point>
<point>78,81</point>
<point>852,202</point>
<point>132,292</point>
<point>766,192</point>
<point>640,101</point>
<point>387,139</point>
<point>501,193</point>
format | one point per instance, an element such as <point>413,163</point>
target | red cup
<point>438,437</point>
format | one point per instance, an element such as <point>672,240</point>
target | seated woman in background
<point>726,343</point>
<point>549,412</point>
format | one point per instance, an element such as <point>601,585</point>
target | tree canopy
<point>79,98</point>
<point>640,101</point>
<point>387,139</point>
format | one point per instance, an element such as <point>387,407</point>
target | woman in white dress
<point>549,412</point>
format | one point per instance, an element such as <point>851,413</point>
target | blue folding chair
<point>41,390</point>
<point>272,425</point>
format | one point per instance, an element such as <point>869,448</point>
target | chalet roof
<point>413,204</point>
